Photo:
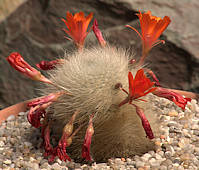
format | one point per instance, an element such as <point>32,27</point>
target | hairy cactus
<point>92,77</point>
<point>94,100</point>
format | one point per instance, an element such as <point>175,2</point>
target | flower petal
<point>77,26</point>
<point>87,140</point>
<point>19,64</point>
<point>178,99</point>
<point>145,122</point>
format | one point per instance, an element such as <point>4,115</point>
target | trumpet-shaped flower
<point>38,106</point>
<point>87,140</point>
<point>178,99</point>
<point>139,87</point>
<point>98,34</point>
<point>77,26</point>
<point>151,29</point>
<point>49,65</point>
<point>19,64</point>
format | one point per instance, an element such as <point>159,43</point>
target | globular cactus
<point>95,99</point>
<point>91,77</point>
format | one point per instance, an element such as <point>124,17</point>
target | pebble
<point>7,162</point>
<point>2,143</point>
<point>178,145</point>
<point>154,163</point>
<point>146,157</point>
<point>11,118</point>
<point>173,113</point>
<point>139,164</point>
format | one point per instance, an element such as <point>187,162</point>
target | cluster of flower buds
<point>64,142</point>
<point>38,108</point>
<point>49,65</point>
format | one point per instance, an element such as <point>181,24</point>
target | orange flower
<point>77,26</point>
<point>151,29</point>
<point>138,87</point>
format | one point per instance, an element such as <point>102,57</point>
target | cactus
<point>91,76</point>
<point>95,99</point>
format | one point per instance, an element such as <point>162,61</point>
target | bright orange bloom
<point>77,26</point>
<point>138,87</point>
<point>151,29</point>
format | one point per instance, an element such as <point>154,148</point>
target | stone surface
<point>9,6</point>
<point>35,30</point>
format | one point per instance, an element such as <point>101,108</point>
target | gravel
<point>177,146</point>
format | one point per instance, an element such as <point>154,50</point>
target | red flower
<point>145,122</point>
<point>87,140</point>
<point>49,65</point>
<point>178,99</point>
<point>77,26</point>
<point>98,34</point>
<point>138,87</point>
<point>64,142</point>
<point>18,63</point>
<point>38,106</point>
<point>35,115</point>
<point>151,27</point>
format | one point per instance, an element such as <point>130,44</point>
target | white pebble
<point>139,164</point>
<point>157,156</point>
<point>154,163</point>
<point>28,144</point>
<point>7,162</point>
<point>146,157</point>
<point>21,113</point>
<point>58,161</point>
<point>11,118</point>
<point>2,143</point>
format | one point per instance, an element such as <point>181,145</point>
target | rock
<point>2,143</point>
<point>173,113</point>
<point>7,162</point>
<point>139,164</point>
<point>154,163</point>
<point>146,157</point>
<point>9,6</point>
<point>56,166</point>
<point>11,118</point>
<point>163,167</point>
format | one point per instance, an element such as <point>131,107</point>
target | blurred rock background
<point>34,28</point>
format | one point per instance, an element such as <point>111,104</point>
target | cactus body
<point>91,77</point>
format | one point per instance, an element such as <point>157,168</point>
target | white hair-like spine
<point>91,77</point>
